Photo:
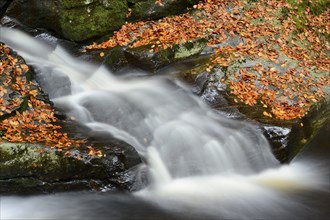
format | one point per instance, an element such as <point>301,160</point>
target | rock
<point>11,99</point>
<point>286,137</point>
<point>149,9</point>
<point>34,167</point>
<point>305,131</point>
<point>4,4</point>
<point>151,59</point>
<point>77,20</point>
<point>278,137</point>
<point>113,58</point>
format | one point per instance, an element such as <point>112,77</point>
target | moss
<point>146,59</point>
<point>115,58</point>
<point>257,21</point>
<point>5,156</point>
<point>316,7</point>
<point>82,23</point>
<point>150,60</point>
<point>35,160</point>
<point>318,115</point>
<point>189,49</point>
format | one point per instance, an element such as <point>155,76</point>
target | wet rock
<point>77,20</point>
<point>305,131</point>
<point>278,137</point>
<point>34,168</point>
<point>4,4</point>
<point>149,9</point>
<point>148,58</point>
<point>286,137</point>
<point>113,58</point>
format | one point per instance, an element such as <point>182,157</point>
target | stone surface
<point>77,20</point>
<point>34,168</point>
<point>150,59</point>
<point>149,9</point>
<point>286,138</point>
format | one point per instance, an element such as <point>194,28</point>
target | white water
<point>198,160</point>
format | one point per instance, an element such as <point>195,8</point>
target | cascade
<point>195,157</point>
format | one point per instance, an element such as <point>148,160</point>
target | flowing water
<point>200,163</point>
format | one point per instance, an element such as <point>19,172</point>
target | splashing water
<point>196,158</point>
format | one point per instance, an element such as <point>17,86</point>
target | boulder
<point>34,168</point>
<point>151,9</point>
<point>77,20</point>
<point>151,59</point>
<point>286,137</point>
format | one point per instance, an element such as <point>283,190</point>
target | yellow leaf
<point>266,114</point>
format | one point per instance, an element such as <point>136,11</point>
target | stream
<point>201,164</point>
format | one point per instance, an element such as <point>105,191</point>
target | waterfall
<point>196,158</point>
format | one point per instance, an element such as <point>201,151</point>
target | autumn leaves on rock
<point>25,117</point>
<point>290,68</point>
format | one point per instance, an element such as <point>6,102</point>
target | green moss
<point>4,156</point>
<point>316,7</point>
<point>115,58</point>
<point>189,49</point>
<point>82,23</point>
<point>317,116</point>
<point>257,21</point>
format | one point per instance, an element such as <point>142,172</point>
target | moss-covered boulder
<point>34,168</point>
<point>76,20</point>
<point>151,9</point>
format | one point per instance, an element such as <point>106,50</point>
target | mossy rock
<point>113,58</point>
<point>149,9</point>
<point>30,168</point>
<point>83,23</point>
<point>34,168</point>
<point>77,20</point>
<point>150,59</point>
